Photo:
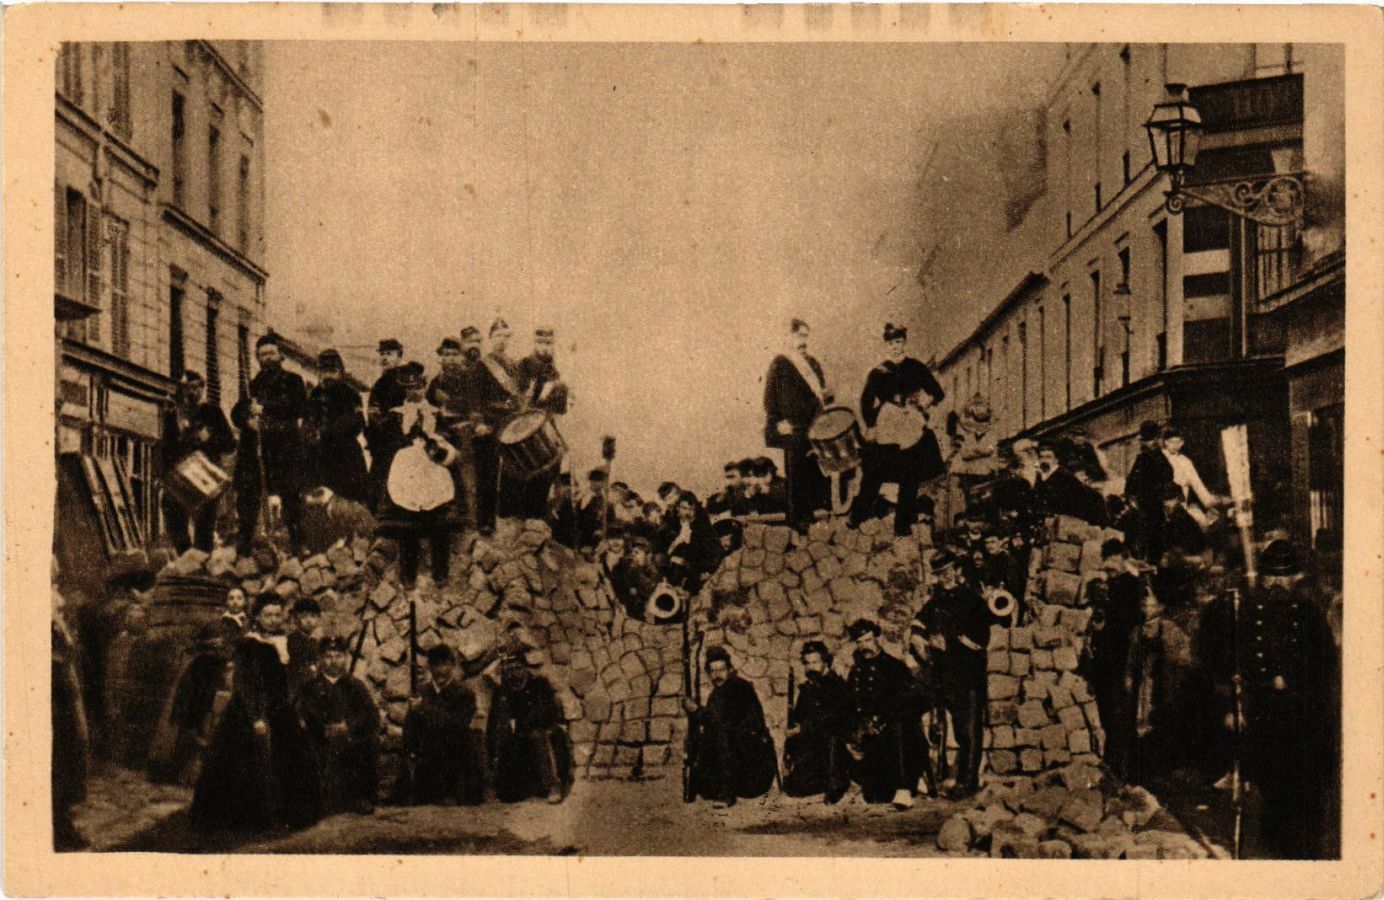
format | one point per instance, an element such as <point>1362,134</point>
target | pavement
<point>125,813</point>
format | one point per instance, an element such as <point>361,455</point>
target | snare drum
<point>530,444</point>
<point>835,437</point>
<point>196,481</point>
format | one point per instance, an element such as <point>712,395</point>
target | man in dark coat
<point>591,511</point>
<point>889,739</point>
<point>493,395</point>
<point>1113,622</point>
<point>529,752</point>
<point>259,770</point>
<point>735,756</point>
<point>795,392</point>
<point>1288,661</point>
<point>192,425</point>
<point>690,548</point>
<point>440,758</point>
<point>908,455</point>
<point>964,622</point>
<point>998,567</point>
<point>334,426</point>
<point>820,725</point>
<point>1143,491</point>
<point>192,710</point>
<point>448,391</point>
<point>283,399</point>
<point>540,387</point>
<point>304,647</point>
<point>71,738</point>
<point>1057,492</point>
<point>383,432</point>
<point>635,577</point>
<point>343,727</point>
<point>247,476</point>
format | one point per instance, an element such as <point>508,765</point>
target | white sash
<point>502,376</point>
<point>808,375</point>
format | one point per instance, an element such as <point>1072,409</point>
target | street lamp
<point>1175,130</point>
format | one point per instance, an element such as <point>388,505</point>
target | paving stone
<point>955,835</point>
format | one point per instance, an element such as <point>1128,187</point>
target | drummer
<point>492,397</point>
<point>795,393</point>
<point>540,387</point>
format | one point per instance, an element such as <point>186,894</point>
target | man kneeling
<point>529,752</point>
<point>734,754</point>
<point>343,727</point>
<point>814,753</point>
<point>443,763</point>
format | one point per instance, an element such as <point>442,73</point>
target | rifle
<point>788,720</point>
<point>694,693</point>
<point>1235,446</point>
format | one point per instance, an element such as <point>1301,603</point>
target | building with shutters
<point>159,248</point>
<point>1112,311</point>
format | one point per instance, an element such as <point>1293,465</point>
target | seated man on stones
<point>528,747</point>
<point>735,755</point>
<point>343,728</point>
<point>819,726</point>
<point>441,766</point>
<point>635,577</point>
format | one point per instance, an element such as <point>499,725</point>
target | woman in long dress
<point>259,771</point>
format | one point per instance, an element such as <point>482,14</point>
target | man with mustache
<point>383,434</point>
<point>283,401</point>
<point>456,420</point>
<point>540,387</point>
<point>335,423</point>
<point>814,751</point>
<point>493,398</point>
<point>795,392</point>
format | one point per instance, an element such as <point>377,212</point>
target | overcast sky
<point>667,208</point>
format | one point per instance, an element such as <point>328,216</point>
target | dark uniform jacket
<point>880,688</point>
<point>247,474</point>
<point>527,745</point>
<point>348,761</point>
<point>490,396</point>
<point>443,762</point>
<point>532,373</point>
<point>1151,470</point>
<point>183,440</point>
<point>891,382</point>
<point>815,759</point>
<point>335,423</point>
<point>384,428</point>
<point>1060,494</point>
<point>284,399</point>
<point>735,753</point>
<point>788,397</point>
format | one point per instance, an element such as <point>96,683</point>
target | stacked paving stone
<point>1076,811</point>
<point>781,589</point>
<point>1061,570</point>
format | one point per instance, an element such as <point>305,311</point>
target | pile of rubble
<point>1062,569</point>
<point>1076,811</point>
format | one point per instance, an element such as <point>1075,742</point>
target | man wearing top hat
<point>540,387</point>
<point>193,425</point>
<point>902,449</point>
<point>1143,491</point>
<point>449,392</point>
<point>283,400</point>
<point>334,426</point>
<point>383,435</point>
<point>795,392</point>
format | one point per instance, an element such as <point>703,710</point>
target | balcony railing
<point>1253,103</point>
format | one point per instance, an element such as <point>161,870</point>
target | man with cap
<point>539,387</point>
<point>343,728</point>
<point>1288,662</point>
<point>888,742</point>
<point>529,753</point>
<point>283,400</point>
<point>494,398</point>
<point>193,425</point>
<point>449,392</point>
<point>820,724</point>
<point>735,757</point>
<point>635,577</point>
<point>591,510</point>
<point>1058,492</point>
<point>795,393</point>
<point>383,436</point>
<point>304,646</point>
<point>441,765</point>
<point>1143,488</point>
<point>959,631</point>
<point>334,426</point>
<point>902,448</point>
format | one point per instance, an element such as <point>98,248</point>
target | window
<point>1067,170</point>
<point>1097,320</point>
<point>242,351</point>
<point>1160,240</point>
<point>1023,375</point>
<point>1042,363</point>
<point>213,372</point>
<point>1126,314</point>
<point>176,357</point>
<point>179,150</point>
<point>1276,252</point>
<point>118,241</point>
<point>1067,347</point>
<point>242,203</point>
<point>120,89</point>
<point>78,241</point>
<point>70,72</point>
<point>1098,139</point>
<point>1326,469</point>
<point>1098,203</point>
<point>1125,80</point>
<point>214,180</point>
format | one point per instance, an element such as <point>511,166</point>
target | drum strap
<point>497,371</point>
<point>809,376</point>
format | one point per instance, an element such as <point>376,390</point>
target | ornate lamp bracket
<point>1271,200</point>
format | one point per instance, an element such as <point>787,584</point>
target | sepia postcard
<point>726,450</point>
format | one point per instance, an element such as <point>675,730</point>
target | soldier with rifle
<point>440,763</point>
<point>819,726</point>
<point>734,755</point>
<point>343,729</point>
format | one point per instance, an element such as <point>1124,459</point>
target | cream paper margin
<point>31,35</point>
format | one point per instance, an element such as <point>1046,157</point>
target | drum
<point>835,437</point>
<point>416,483</point>
<point>530,444</point>
<point>195,481</point>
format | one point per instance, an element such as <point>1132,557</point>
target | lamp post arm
<point>1274,200</point>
